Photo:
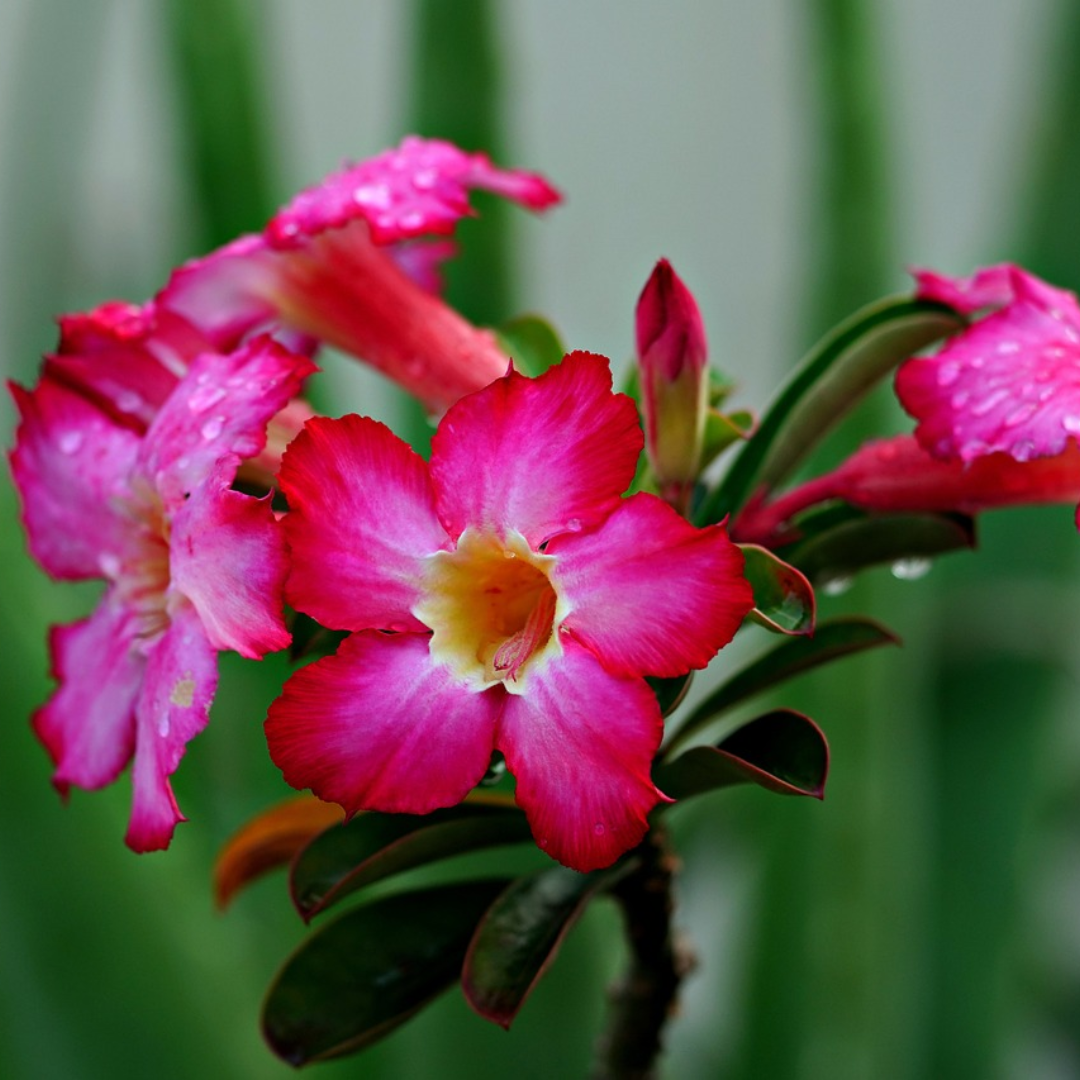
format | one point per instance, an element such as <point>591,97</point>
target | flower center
<point>491,607</point>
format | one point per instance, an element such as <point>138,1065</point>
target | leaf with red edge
<point>782,751</point>
<point>374,846</point>
<point>269,840</point>
<point>783,599</point>
<point>520,935</point>
<point>832,640</point>
<point>364,974</point>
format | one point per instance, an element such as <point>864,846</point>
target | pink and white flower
<point>503,597</point>
<point>192,567</point>
<point>345,263</point>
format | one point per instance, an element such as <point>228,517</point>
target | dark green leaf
<point>832,379</point>
<point>309,638</point>
<point>520,935</point>
<point>531,342</point>
<point>837,545</point>
<point>783,598</point>
<point>782,751</point>
<point>792,656</point>
<point>670,692</point>
<point>374,846</point>
<point>364,974</point>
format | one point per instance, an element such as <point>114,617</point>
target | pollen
<point>183,692</point>
<point>492,608</point>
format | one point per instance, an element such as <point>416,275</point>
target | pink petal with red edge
<point>542,456</point>
<point>228,558</point>
<point>649,593</point>
<point>88,725</point>
<point>1010,383</point>
<point>581,745</point>
<point>70,463</point>
<point>377,726</point>
<point>181,677</point>
<point>991,286</point>
<point>219,411</point>
<point>127,359</point>
<point>421,187</point>
<point>229,294</point>
<point>361,517</point>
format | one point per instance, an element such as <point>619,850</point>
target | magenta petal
<point>649,593</point>
<point>1010,382</point>
<point>377,726</point>
<point>581,745</point>
<point>181,676</point>
<point>70,463</point>
<point>218,412</point>
<point>421,187</point>
<point>361,517</point>
<point>88,725</point>
<point>991,286</point>
<point>228,558</point>
<point>541,456</point>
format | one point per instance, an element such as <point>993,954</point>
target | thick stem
<point>643,1000</point>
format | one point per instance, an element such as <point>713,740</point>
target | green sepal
<point>375,846</point>
<point>836,374</point>
<point>832,640</point>
<point>531,342</point>
<point>782,751</point>
<point>723,430</point>
<point>837,542</point>
<point>520,934</point>
<point>359,977</point>
<point>783,598</point>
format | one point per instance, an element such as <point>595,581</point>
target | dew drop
<point>163,726</point>
<point>425,179</point>
<point>1071,424</point>
<point>412,220</point>
<point>1019,415</point>
<point>910,569</point>
<point>961,398</point>
<point>1007,347</point>
<point>948,373</point>
<point>376,196</point>
<point>203,399</point>
<point>212,428</point>
<point>599,829</point>
<point>110,565</point>
<point>70,442</point>
<point>128,401</point>
<point>574,525</point>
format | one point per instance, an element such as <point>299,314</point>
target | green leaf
<point>842,541</point>
<point>364,974</point>
<point>722,430</point>
<point>782,751</point>
<point>531,342</point>
<point>832,379</point>
<point>374,846</point>
<point>670,692</point>
<point>792,656</point>
<point>519,937</point>
<point>783,598</point>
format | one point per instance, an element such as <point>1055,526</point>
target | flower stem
<point>642,1001</point>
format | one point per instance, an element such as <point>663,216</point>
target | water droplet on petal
<point>377,196</point>
<point>128,401</point>
<point>70,442</point>
<point>599,829</point>
<point>163,726</point>
<point>413,219</point>
<point>911,569</point>
<point>204,398</point>
<point>948,373</point>
<point>1071,424</point>
<point>574,525</point>
<point>212,428</point>
<point>110,565</point>
<point>425,179</point>
<point>1007,347</point>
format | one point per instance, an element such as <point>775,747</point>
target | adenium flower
<point>192,567</point>
<point>504,598</point>
<point>672,359</point>
<point>1010,382</point>
<point>343,263</point>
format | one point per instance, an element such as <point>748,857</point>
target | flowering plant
<point>501,638</point>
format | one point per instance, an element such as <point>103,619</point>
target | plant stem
<point>643,1000</point>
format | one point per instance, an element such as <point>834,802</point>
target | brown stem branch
<point>643,1000</point>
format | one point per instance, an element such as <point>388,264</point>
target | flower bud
<point>674,381</point>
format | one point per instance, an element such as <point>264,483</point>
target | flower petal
<point>421,187</point>
<point>88,725</point>
<point>181,677</point>
<point>1010,382</point>
<point>992,286</point>
<point>227,556</point>
<point>70,462</point>
<point>218,412</point>
<point>649,593</point>
<point>361,516</point>
<point>581,745</point>
<point>542,456</point>
<point>378,726</point>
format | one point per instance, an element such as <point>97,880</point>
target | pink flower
<point>674,381</point>
<point>1010,383</point>
<point>342,262</point>
<point>503,597</point>
<point>192,566</point>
